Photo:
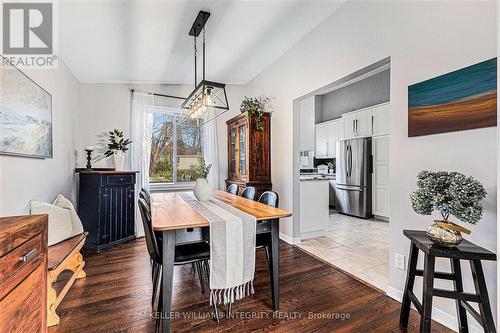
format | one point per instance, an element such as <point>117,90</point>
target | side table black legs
<point>427,293</point>
<point>481,290</point>
<point>466,251</point>
<point>456,270</point>
<point>408,292</point>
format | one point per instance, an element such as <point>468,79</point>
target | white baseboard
<point>312,234</point>
<point>438,315</point>
<point>290,240</point>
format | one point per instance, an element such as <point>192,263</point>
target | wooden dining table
<point>170,213</point>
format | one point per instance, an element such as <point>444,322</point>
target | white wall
<point>22,178</point>
<point>424,39</point>
<point>104,107</point>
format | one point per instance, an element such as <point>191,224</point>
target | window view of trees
<point>188,151</point>
<point>162,149</point>
<point>175,149</point>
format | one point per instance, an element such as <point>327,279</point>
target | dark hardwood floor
<point>315,297</point>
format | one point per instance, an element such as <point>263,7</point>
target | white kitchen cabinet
<point>381,120</point>
<point>357,124</point>
<point>327,136</point>
<point>380,179</point>
<point>322,140</point>
<point>333,129</point>
<point>348,126</point>
<point>306,116</point>
<point>363,123</point>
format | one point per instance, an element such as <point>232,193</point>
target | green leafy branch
<point>200,168</point>
<point>255,107</point>
<point>116,142</point>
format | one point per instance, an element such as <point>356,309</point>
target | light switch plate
<point>399,261</point>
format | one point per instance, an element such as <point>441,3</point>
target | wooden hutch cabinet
<point>249,153</point>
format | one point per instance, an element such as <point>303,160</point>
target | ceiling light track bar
<point>199,23</point>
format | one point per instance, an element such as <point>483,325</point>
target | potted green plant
<point>255,107</point>
<point>449,193</point>
<point>202,188</point>
<point>117,146</point>
<point>331,167</point>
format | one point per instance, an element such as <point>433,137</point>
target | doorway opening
<point>343,138</point>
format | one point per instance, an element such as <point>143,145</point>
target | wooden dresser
<point>249,153</point>
<point>23,274</point>
<point>106,206</point>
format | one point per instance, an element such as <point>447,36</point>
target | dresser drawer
<point>24,309</point>
<point>118,179</point>
<point>19,257</point>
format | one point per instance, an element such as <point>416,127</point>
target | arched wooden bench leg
<point>73,262</point>
<point>52,317</point>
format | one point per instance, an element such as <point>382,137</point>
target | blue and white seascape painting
<point>25,115</point>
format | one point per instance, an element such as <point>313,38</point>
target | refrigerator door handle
<point>350,160</point>
<point>350,188</point>
<point>347,161</point>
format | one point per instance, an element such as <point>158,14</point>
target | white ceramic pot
<point>202,189</point>
<point>118,158</point>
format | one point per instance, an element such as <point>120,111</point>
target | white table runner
<point>232,249</point>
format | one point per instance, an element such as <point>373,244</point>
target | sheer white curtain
<point>209,141</point>
<point>141,131</point>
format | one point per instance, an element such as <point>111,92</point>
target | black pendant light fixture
<point>208,100</point>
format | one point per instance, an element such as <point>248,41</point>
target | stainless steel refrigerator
<point>354,177</point>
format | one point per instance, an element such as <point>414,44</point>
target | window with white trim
<point>176,156</point>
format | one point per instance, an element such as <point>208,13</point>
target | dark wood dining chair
<point>249,193</point>
<point>144,194</point>
<point>233,189</point>
<point>197,253</point>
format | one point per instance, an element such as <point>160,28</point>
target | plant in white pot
<point>202,188</point>
<point>449,193</point>
<point>117,146</point>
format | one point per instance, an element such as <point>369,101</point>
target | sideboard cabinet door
<point>106,206</point>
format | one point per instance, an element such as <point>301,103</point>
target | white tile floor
<point>359,247</point>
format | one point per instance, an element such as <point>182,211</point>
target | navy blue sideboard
<point>106,206</point>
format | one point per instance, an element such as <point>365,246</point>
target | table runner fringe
<point>229,295</point>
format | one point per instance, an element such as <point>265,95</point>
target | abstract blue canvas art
<point>456,101</point>
<point>25,115</point>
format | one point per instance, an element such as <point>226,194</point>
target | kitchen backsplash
<point>325,161</point>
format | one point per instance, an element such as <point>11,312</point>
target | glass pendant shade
<point>207,101</point>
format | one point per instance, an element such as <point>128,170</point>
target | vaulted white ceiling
<point>148,41</point>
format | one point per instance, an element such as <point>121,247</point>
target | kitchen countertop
<point>316,176</point>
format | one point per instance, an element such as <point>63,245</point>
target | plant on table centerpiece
<point>449,193</point>
<point>255,107</point>
<point>117,146</point>
<point>202,188</point>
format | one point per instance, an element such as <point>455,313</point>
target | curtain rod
<point>155,94</point>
